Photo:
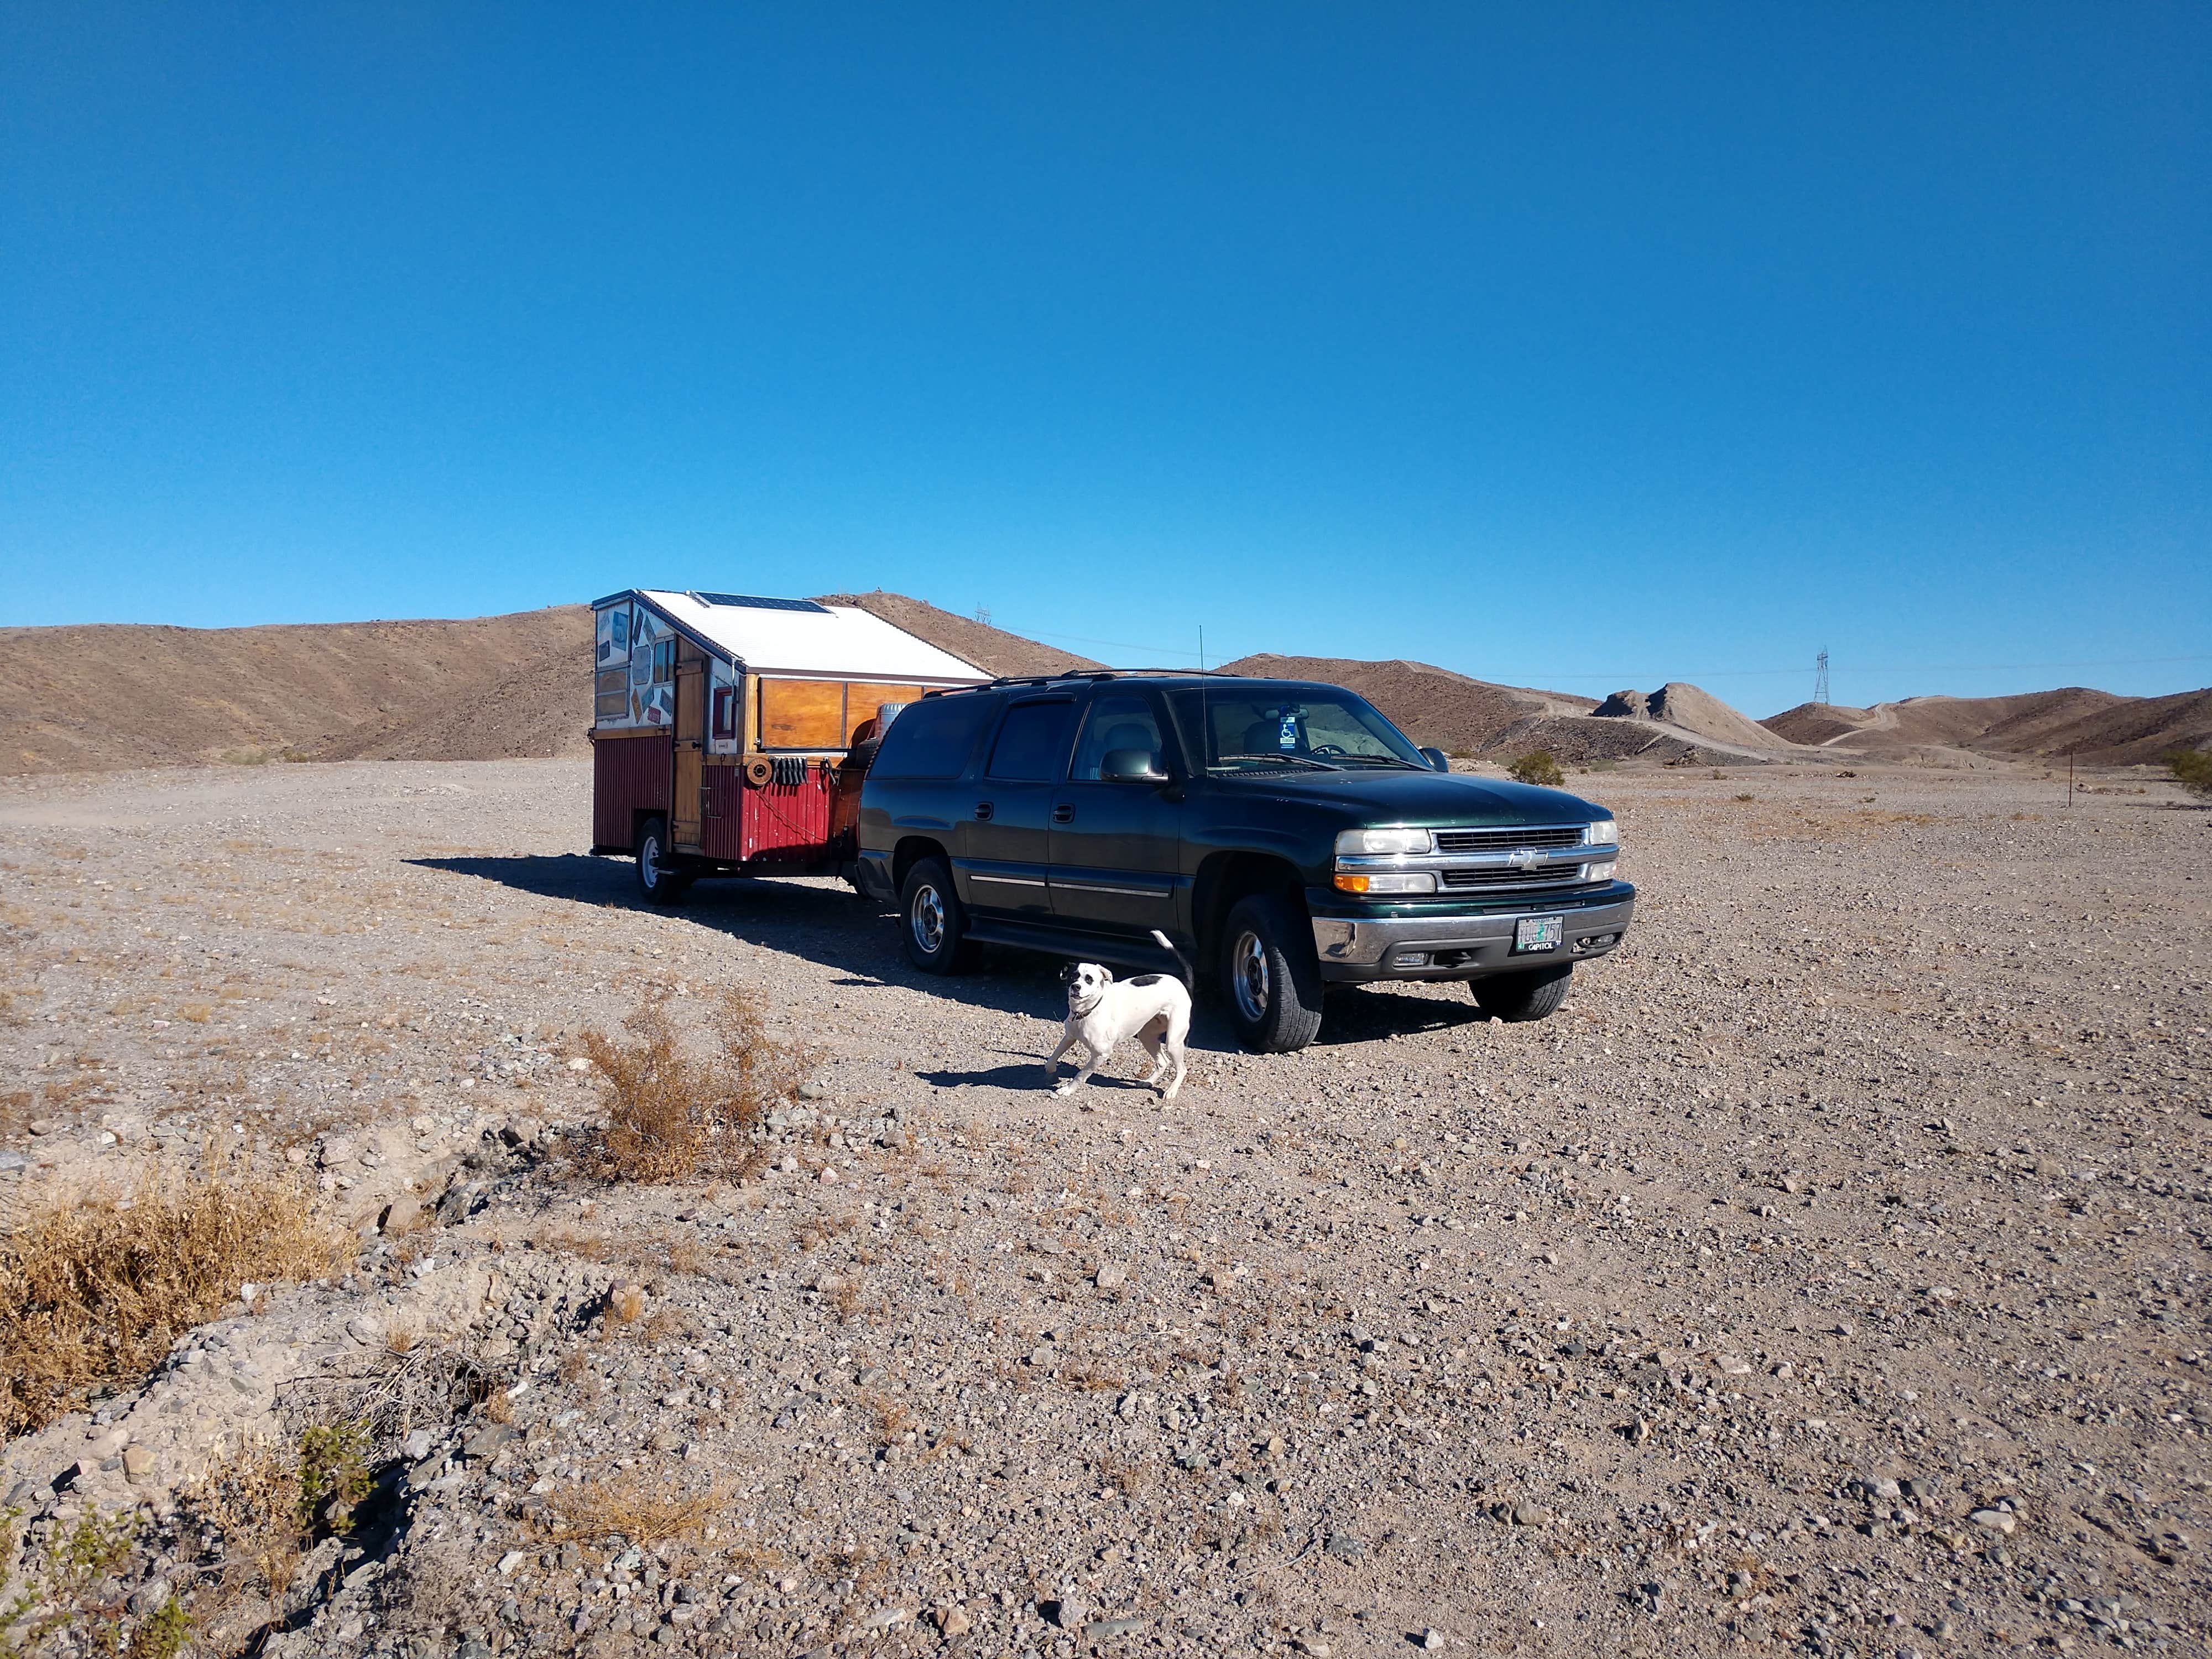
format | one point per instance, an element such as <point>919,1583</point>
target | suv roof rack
<point>1103,674</point>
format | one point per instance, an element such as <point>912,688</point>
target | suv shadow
<point>827,923</point>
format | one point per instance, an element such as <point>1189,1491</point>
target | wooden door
<point>687,799</point>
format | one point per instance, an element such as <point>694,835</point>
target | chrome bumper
<point>1459,947</point>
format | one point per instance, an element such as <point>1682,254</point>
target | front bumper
<point>1353,948</point>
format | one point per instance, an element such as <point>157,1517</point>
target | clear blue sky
<point>1582,346</point>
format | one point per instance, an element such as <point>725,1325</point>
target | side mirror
<point>1437,759</point>
<point>1131,765</point>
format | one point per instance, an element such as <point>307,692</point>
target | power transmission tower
<point>1820,680</point>
<point>983,614</point>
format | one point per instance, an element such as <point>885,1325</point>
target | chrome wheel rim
<point>1249,967</point>
<point>649,861</point>
<point>928,920</point>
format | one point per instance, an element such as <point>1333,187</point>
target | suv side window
<point>932,739</point>
<point>1032,742</point>
<point>1118,720</point>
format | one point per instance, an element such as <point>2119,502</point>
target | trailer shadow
<point>830,924</point>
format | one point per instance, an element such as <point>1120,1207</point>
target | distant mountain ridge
<point>106,696</point>
<point>2101,728</point>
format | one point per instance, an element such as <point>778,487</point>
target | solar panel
<point>753,602</point>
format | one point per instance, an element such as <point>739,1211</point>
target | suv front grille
<point>1564,875</point>
<point>1490,841</point>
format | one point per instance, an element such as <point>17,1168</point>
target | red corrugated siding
<point>788,822</point>
<point>725,826</point>
<point>629,776</point>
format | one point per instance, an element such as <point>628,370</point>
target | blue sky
<point>1583,347</point>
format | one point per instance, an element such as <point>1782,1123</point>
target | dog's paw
<point>1066,1088</point>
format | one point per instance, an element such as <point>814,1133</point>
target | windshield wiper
<point>1383,759</point>
<point>1282,760</point>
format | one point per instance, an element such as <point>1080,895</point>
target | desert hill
<point>1692,709</point>
<point>105,696</point>
<point>2099,727</point>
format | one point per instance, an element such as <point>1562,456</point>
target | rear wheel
<point>658,878</point>
<point>1518,996</point>
<point>1269,978</point>
<point>933,922</point>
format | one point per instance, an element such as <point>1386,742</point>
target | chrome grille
<point>1496,841</point>
<point>1563,875</point>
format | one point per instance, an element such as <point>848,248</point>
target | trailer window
<point>610,695</point>
<point>933,737</point>
<point>664,662</point>
<point>725,712</point>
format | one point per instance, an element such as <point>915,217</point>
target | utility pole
<point>1820,679</point>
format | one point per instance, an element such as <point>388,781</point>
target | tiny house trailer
<point>725,727</point>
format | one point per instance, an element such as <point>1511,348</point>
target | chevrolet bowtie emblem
<point>1525,858</point>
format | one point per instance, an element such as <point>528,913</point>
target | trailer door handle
<point>983,809</point>
<point>1063,814</point>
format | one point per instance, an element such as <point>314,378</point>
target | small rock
<point>2001,1521</point>
<point>1430,1639</point>
<point>883,1618</point>
<point>812,1091</point>
<point>1110,1276</point>
<point>1315,1646</point>
<point>1344,1546</point>
<point>150,1597</point>
<point>489,1439</point>
<point>953,1621</point>
<point>138,1464</point>
<point>1067,1613</point>
<point>1529,1513</point>
<point>1100,1630</point>
<point>1728,1364</point>
<point>510,1562</point>
<point>338,1149</point>
<point>1883,1487</point>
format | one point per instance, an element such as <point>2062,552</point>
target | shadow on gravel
<point>834,926</point>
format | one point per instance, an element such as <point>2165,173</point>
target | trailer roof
<point>798,636</point>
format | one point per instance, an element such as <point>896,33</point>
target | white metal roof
<point>840,641</point>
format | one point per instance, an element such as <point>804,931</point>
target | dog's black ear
<point>1067,973</point>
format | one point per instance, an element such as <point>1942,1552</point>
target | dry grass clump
<point>94,1291</point>
<point>644,1513</point>
<point>673,1113</point>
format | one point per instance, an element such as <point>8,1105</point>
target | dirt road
<point>1830,1274</point>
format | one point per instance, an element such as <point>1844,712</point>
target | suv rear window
<point>932,738</point>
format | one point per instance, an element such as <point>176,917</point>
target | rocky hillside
<point>2099,727</point>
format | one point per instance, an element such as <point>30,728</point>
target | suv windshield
<point>1244,727</point>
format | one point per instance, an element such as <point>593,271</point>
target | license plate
<point>1538,934</point>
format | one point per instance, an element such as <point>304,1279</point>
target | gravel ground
<point>1827,1276</point>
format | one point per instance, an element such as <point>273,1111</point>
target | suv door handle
<point>1063,814</point>
<point>982,809</point>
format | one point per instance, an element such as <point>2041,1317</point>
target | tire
<point>933,922</point>
<point>658,882</point>
<point>1518,996</point>
<point>1270,982</point>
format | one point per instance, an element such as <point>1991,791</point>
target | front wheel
<point>658,881</point>
<point>1516,997</point>
<point>933,922</point>
<point>1269,978</point>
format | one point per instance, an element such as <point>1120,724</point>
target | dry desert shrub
<point>1538,766</point>
<point>643,1512</point>
<point>95,1290</point>
<point>673,1113</point>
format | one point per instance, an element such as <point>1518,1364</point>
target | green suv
<point>1282,834</point>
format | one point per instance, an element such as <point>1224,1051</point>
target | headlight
<point>1388,881</point>
<point>1598,872</point>
<point>1604,833</point>
<point>1355,843</point>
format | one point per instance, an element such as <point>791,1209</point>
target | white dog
<point>1104,1013</point>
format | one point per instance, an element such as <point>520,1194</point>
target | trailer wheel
<point>933,923</point>
<point>659,880</point>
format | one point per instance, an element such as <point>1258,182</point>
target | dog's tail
<point>1182,961</point>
